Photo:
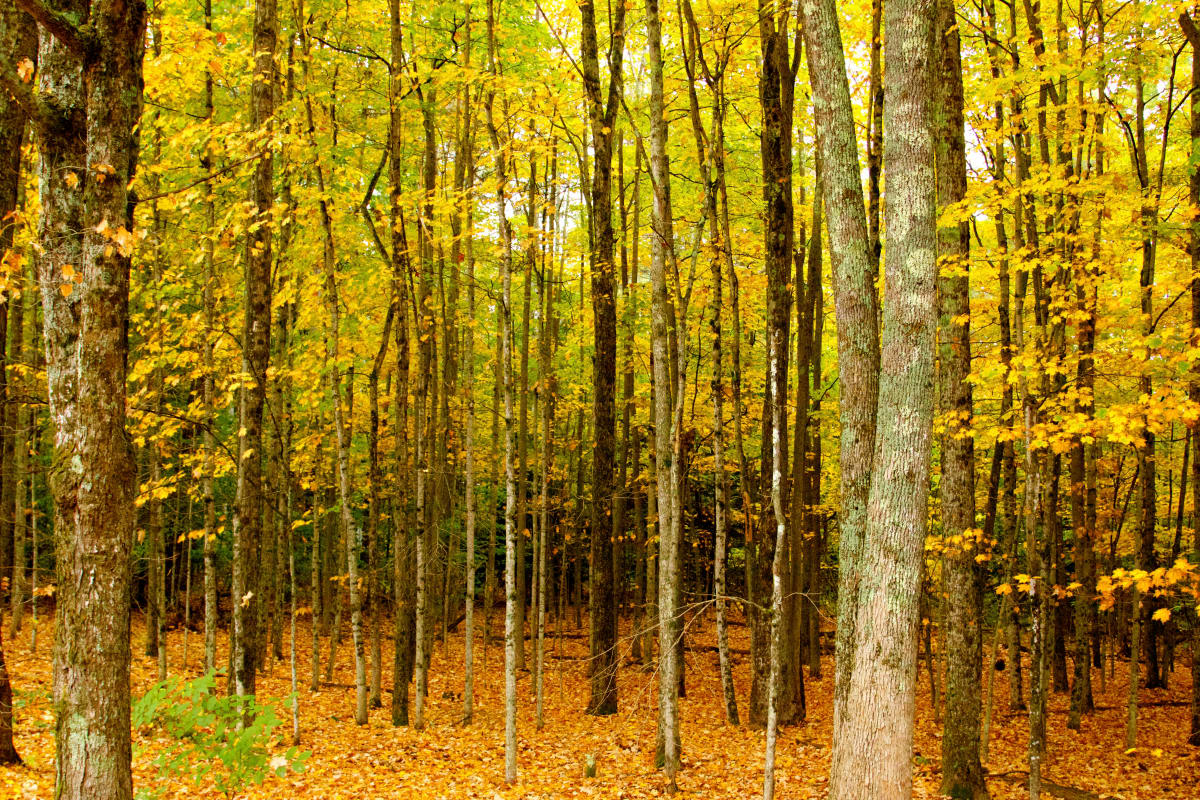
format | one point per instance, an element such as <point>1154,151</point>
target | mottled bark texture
<point>85,105</point>
<point>872,749</point>
<point>857,310</point>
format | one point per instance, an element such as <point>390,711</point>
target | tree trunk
<point>668,500</point>
<point>85,222</point>
<point>256,346</point>
<point>962,774</point>
<point>403,576</point>
<point>511,631</point>
<point>18,39</point>
<point>602,114</point>
<point>776,86</point>
<point>1193,35</point>
<point>857,314</point>
<point>872,755</point>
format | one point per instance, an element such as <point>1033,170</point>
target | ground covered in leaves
<point>452,761</point>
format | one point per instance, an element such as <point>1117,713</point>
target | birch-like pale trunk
<point>511,631</point>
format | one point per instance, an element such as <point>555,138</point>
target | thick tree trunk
<point>872,755</point>
<point>857,314</point>
<point>85,120</point>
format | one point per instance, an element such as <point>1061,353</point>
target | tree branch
<point>79,41</point>
<point>44,114</point>
<point>1189,30</point>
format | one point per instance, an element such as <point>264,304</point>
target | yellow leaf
<point>1162,615</point>
<point>66,289</point>
<point>25,70</point>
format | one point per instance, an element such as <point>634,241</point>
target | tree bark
<point>962,773</point>
<point>602,113</point>
<point>256,347</point>
<point>666,432</point>
<point>86,120</point>
<point>857,313</point>
<point>511,631</point>
<point>872,750</point>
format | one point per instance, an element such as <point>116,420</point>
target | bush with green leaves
<point>220,740</point>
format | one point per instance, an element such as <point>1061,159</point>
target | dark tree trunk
<point>602,113</point>
<point>962,774</point>
<point>256,349</point>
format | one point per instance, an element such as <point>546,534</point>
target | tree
<point>602,114</point>
<point>962,774</point>
<point>256,348</point>
<point>875,759</point>
<point>857,313</point>
<point>511,631</point>
<point>88,117</point>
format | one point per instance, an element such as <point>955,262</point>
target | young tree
<point>506,336</point>
<point>256,348</point>
<point>962,774</point>
<point>665,418</point>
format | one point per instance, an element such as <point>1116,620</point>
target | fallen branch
<point>1050,788</point>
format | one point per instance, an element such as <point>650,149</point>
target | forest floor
<point>448,760</point>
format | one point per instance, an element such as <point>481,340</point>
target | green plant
<point>220,739</point>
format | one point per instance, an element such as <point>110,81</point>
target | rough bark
<point>962,774</point>
<point>602,109</point>
<point>856,309</point>
<point>85,107</point>
<point>403,577</point>
<point>872,750</point>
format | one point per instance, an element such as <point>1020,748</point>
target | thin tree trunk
<point>256,347</point>
<point>662,247</point>
<point>1193,36</point>
<point>510,489</point>
<point>962,773</point>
